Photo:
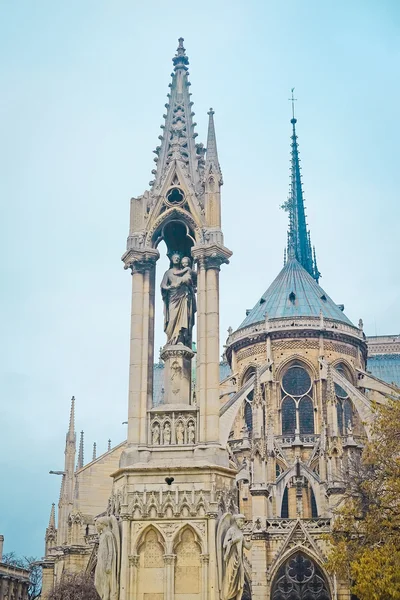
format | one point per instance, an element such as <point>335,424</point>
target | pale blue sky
<point>83,92</point>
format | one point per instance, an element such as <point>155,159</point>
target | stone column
<point>123,578</point>
<point>201,346</point>
<point>209,259</point>
<point>205,559</point>
<point>142,265</point>
<point>169,575</point>
<point>133,576</point>
<point>212,584</point>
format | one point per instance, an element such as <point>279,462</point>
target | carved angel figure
<point>106,578</point>
<point>230,545</point>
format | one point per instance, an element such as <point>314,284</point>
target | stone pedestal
<point>178,374</point>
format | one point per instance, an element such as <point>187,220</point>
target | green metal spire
<point>299,241</point>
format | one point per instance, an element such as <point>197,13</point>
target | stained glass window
<point>339,409</point>
<point>285,505</point>
<point>248,416</point>
<point>296,381</point>
<point>347,413</point>
<point>299,578</point>
<point>306,415</point>
<point>288,416</point>
<point>314,510</point>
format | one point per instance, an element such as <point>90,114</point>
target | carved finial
<point>80,453</point>
<point>109,446</point>
<point>94,451</point>
<point>71,428</point>
<point>360,325</point>
<point>52,519</point>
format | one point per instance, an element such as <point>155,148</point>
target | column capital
<point>139,261</point>
<point>134,560</point>
<point>169,559</point>
<point>211,256</point>
<point>205,558</point>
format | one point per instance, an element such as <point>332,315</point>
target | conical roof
<point>294,293</point>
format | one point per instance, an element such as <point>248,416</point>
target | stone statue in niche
<point>178,289</point>
<point>191,432</point>
<point>179,433</point>
<point>230,546</point>
<point>106,578</point>
<point>167,433</point>
<point>155,433</point>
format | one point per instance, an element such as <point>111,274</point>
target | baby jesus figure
<point>187,274</point>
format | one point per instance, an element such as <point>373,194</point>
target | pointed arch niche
<point>188,576</point>
<point>297,399</point>
<point>151,565</point>
<point>300,578</point>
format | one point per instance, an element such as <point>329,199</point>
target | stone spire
<point>67,484</point>
<point>178,137</point>
<point>299,241</point>
<point>94,451</point>
<point>51,532</point>
<point>80,452</point>
<point>212,162</point>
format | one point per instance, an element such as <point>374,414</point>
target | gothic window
<point>306,415</point>
<point>248,415</point>
<point>285,505</point>
<point>299,578</point>
<point>314,510</point>
<point>288,416</point>
<point>297,405</point>
<point>344,406</point>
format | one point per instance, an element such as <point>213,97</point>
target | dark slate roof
<point>158,380</point>
<point>294,293</point>
<point>386,367</point>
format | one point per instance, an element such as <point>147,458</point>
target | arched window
<point>306,415</point>
<point>248,415</point>
<point>344,406</point>
<point>300,578</point>
<point>297,405</point>
<point>314,510</point>
<point>288,416</point>
<point>285,504</point>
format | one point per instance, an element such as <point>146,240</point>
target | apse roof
<point>294,293</point>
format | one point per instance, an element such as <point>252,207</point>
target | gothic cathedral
<point>226,486</point>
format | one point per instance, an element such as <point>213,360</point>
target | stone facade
<point>227,489</point>
<point>14,581</point>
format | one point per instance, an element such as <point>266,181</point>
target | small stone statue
<point>178,289</point>
<point>155,434</point>
<point>167,433</point>
<point>106,578</point>
<point>360,324</point>
<point>191,432</point>
<point>230,545</point>
<point>180,433</point>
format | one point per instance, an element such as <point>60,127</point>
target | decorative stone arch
<point>247,372</point>
<point>296,358</point>
<point>283,480</point>
<point>177,538</point>
<point>350,370</point>
<point>309,554</point>
<point>141,538</point>
<point>153,237</point>
<point>191,571</point>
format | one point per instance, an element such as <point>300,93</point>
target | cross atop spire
<point>299,240</point>
<point>178,137</point>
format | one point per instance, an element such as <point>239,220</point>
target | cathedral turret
<point>51,531</point>
<point>80,462</point>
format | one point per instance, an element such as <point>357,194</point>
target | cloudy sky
<point>83,92</point>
